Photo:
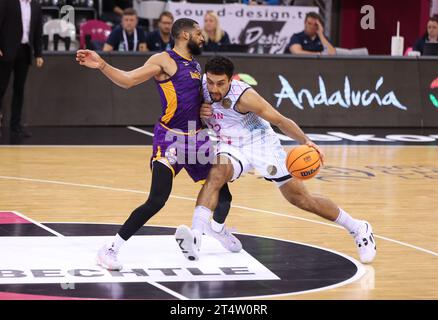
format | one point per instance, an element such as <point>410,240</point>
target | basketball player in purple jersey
<point>176,134</point>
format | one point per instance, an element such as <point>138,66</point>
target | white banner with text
<point>265,29</point>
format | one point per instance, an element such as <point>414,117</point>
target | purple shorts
<point>177,150</point>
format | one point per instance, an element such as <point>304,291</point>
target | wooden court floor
<point>393,187</point>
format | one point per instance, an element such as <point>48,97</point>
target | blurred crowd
<point>29,26</point>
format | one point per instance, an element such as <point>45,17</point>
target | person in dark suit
<point>20,40</point>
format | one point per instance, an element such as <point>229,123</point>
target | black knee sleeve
<point>223,206</point>
<point>161,186</point>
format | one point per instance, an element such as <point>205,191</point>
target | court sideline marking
<point>362,270</point>
<point>193,199</point>
<point>38,224</point>
<point>141,131</point>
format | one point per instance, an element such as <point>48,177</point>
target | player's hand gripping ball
<point>303,162</point>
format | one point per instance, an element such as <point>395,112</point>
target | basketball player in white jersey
<point>241,119</point>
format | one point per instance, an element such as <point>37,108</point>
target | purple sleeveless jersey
<point>178,141</point>
<point>180,95</point>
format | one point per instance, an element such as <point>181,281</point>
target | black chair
<point>56,39</point>
<point>93,44</point>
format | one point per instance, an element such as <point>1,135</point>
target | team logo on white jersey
<point>272,170</point>
<point>226,103</point>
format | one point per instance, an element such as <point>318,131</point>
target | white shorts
<point>266,156</point>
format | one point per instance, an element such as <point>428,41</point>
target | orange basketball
<point>303,162</point>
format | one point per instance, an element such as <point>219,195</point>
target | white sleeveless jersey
<point>230,126</point>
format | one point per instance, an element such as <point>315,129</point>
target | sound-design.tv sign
<point>264,29</point>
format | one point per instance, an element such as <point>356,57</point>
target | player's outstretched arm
<point>124,79</point>
<point>251,101</point>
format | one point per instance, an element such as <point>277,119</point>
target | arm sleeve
<point>150,43</point>
<point>141,35</point>
<point>113,39</point>
<point>225,39</point>
<point>294,40</point>
<point>418,45</point>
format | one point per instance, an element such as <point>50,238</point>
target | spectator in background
<point>161,40</point>
<point>431,35</point>
<point>21,29</point>
<point>213,34</point>
<point>112,10</point>
<point>127,36</point>
<point>312,40</point>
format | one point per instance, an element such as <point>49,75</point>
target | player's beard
<point>194,47</point>
<point>214,99</point>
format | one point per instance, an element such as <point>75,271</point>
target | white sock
<point>216,226</point>
<point>117,243</point>
<point>348,222</point>
<point>201,216</point>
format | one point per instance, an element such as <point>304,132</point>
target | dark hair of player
<point>183,24</point>
<point>219,65</point>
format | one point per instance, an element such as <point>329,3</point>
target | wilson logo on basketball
<point>303,162</point>
<point>309,172</point>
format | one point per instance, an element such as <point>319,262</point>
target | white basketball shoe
<point>366,244</point>
<point>225,237</point>
<point>189,242</point>
<point>107,258</point>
